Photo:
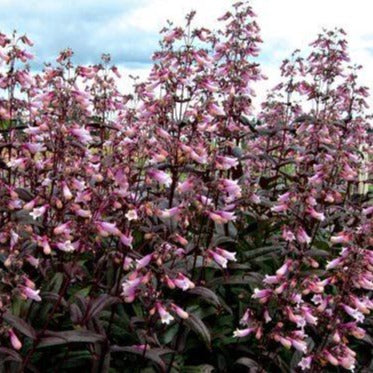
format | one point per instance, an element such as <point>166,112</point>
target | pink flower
<point>316,215</point>
<point>126,239</point>
<point>105,229</point>
<point>129,288</point>
<point>216,110</point>
<point>82,134</point>
<point>179,311</point>
<point>162,177</point>
<point>168,213</point>
<point>144,261</point>
<point>221,217</point>
<point>16,343</point>
<point>243,332</point>
<point>263,295</point>
<point>302,236</point>
<point>31,293</point>
<point>183,282</point>
<point>165,316</point>
<point>305,363</point>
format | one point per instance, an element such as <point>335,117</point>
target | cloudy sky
<point>128,29</point>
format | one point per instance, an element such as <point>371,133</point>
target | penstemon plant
<point>175,229</point>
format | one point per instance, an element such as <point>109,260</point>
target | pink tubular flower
<point>282,271</point>
<point>305,363</point>
<point>287,234</point>
<point>263,295</point>
<point>39,211</point>
<point>225,163</point>
<point>216,110</point>
<point>82,134</point>
<point>144,261</point>
<point>240,333</point>
<point>162,177</point>
<point>341,237</point>
<point>316,215</point>
<point>31,293</point>
<point>183,282</point>
<point>221,257</point>
<point>129,288</point>
<point>302,236</point>
<point>165,316</point>
<point>179,311</point>
<point>221,217</point>
<point>126,239</point>
<point>168,213</point>
<point>15,342</point>
<point>105,229</point>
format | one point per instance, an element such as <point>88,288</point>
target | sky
<point>129,29</point>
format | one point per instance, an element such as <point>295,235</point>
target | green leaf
<point>72,336</point>
<point>20,325</point>
<point>200,328</point>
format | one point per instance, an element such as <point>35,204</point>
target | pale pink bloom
<point>356,314</point>
<point>305,363</point>
<point>280,208</point>
<point>131,215</point>
<point>33,261</point>
<point>129,288</point>
<point>316,215</point>
<point>334,263</point>
<point>14,237</point>
<point>263,295</point>
<point>39,211</point>
<point>126,240</point>
<point>302,236</point>
<point>66,192</point>
<point>162,177</point>
<point>226,254</point>
<point>179,311</point>
<point>341,237</point>
<point>183,282</point>
<point>17,163</point>
<point>82,134</point>
<point>62,229</point>
<point>284,197</point>
<point>165,316</point>
<point>127,263</point>
<point>283,270</point>
<point>316,179</point>
<point>287,234</point>
<point>106,228</point>
<point>35,147</point>
<point>225,163</point>
<point>221,217</point>
<point>240,333</point>
<point>219,259</point>
<point>168,213</point>
<point>270,280</point>
<point>83,213</point>
<point>144,261</point>
<point>66,246</point>
<point>299,345</point>
<point>31,293</point>
<point>332,360</point>
<point>15,342</point>
<point>185,186</point>
<point>254,198</point>
<point>216,110</point>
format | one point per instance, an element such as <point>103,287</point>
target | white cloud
<point>129,28</point>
